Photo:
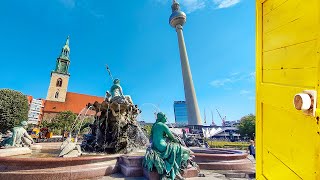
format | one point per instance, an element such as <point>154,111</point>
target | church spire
<point>65,50</point>
<point>63,60</point>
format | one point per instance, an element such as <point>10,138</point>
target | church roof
<point>74,102</point>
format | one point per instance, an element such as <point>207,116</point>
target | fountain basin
<point>44,164</point>
<point>213,154</point>
<point>57,168</point>
<point>222,159</point>
<point>14,151</point>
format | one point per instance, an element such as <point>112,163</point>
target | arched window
<point>66,53</point>
<point>59,82</point>
<point>56,95</point>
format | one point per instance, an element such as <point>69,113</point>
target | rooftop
<point>74,102</point>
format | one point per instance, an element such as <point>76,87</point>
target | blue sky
<point>136,41</point>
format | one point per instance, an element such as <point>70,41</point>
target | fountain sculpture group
<point>115,129</point>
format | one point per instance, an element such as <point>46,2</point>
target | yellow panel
<point>275,170</point>
<point>302,55</point>
<point>288,35</point>
<point>295,140</point>
<point>299,9</point>
<point>258,143</point>
<point>286,31</point>
<point>278,95</point>
<point>271,5</point>
<point>306,77</point>
<point>260,177</point>
<point>287,62</point>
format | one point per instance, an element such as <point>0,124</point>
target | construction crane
<point>205,117</point>
<point>213,124</point>
<point>223,119</point>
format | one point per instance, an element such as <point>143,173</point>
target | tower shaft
<point>194,117</point>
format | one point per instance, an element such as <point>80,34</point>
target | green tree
<point>63,120</point>
<point>147,129</point>
<point>13,109</point>
<point>84,129</point>
<point>247,126</point>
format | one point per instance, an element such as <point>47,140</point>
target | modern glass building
<point>180,113</point>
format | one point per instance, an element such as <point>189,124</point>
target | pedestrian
<point>252,149</point>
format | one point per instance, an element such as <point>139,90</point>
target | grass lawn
<point>226,144</point>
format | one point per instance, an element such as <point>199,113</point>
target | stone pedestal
<point>73,153</point>
<point>36,147</point>
<point>131,166</point>
<point>151,175</point>
<point>189,173</point>
<point>14,151</point>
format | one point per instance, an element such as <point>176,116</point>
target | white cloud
<point>225,3</point>
<point>253,75</point>
<point>234,74</point>
<point>233,78</point>
<point>193,5</point>
<point>221,82</point>
<point>163,2</point>
<point>83,5</point>
<point>244,92</point>
<point>95,14</point>
<point>68,3</point>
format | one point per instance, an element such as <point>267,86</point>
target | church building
<point>58,98</point>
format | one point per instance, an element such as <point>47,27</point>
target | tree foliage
<point>62,121</point>
<point>13,108</point>
<point>84,129</point>
<point>147,129</point>
<point>247,126</point>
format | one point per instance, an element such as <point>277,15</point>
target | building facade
<point>231,123</point>
<point>180,113</point>
<point>35,112</point>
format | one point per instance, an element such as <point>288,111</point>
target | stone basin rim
<point>221,151</point>
<point>55,161</point>
<point>219,155</point>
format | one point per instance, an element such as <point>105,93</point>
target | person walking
<point>252,149</point>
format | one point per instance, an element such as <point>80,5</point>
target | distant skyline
<point>135,39</point>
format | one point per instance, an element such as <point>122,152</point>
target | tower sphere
<point>177,18</point>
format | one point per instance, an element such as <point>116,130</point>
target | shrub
<point>225,144</point>
<point>13,109</point>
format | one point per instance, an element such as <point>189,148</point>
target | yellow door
<point>287,63</point>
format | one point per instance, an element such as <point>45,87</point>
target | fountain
<point>112,146</point>
<point>115,144</point>
<point>115,129</point>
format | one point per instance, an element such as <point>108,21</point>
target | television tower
<point>177,20</point>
